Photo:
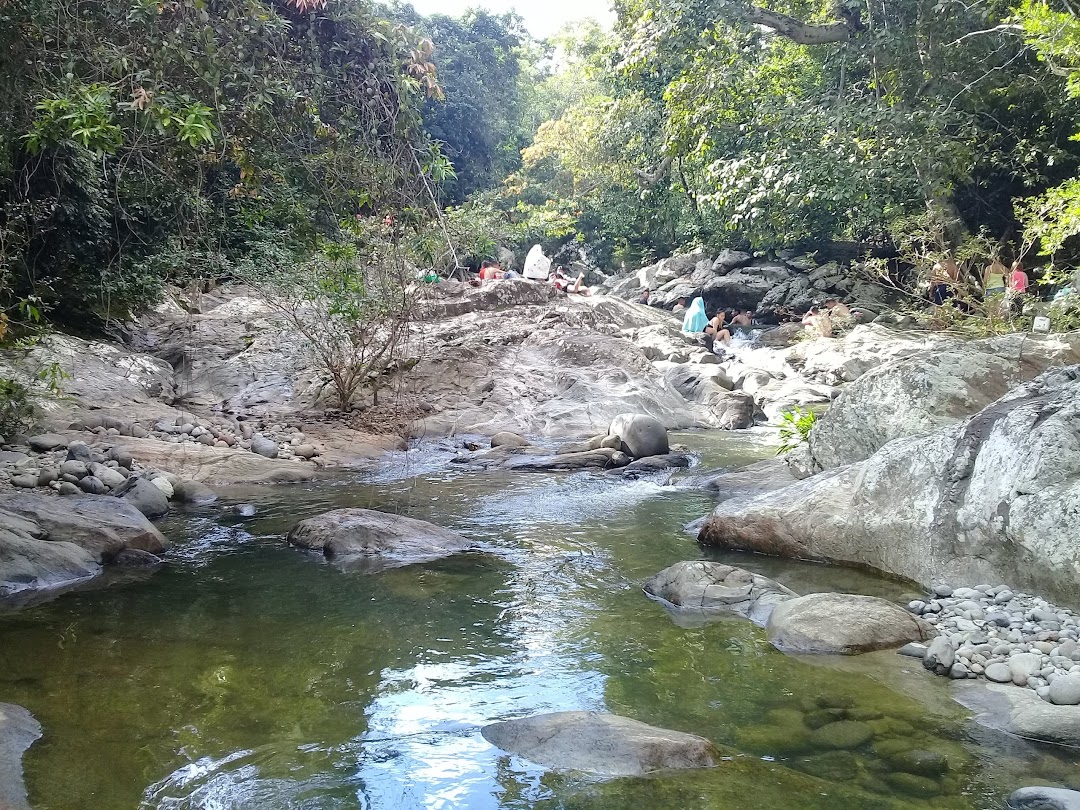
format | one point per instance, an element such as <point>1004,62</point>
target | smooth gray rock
<point>846,624</point>
<point>940,655</point>
<point>45,442</point>
<point>102,525</point>
<point>144,496</point>
<point>369,541</point>
<point>506,438</point>
<point>712,587</point>
<point>78,451</point>
<point>641,435</point>
<point>92,485</point>
<point>264,447</point>
<point>1065,690</point>
<point>75,468</point>
<point>998,672</point>
<point>194,492</point>
<point>991,499</point>
<point>600,743</point>
<point>18,731</point>
<point>30,561</point>
<point>932,389</point>
<point>1044,798</point>
<point>25,480</point>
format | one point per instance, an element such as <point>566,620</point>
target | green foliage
<point>146,142</point>
<point>16,407</point>
<point>351,303</point>
<point>795,427</point>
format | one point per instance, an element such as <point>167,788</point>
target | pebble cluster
<point>49,461</point>
<point>272,441</point>
<point>1006,637</point>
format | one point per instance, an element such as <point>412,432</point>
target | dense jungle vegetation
<point>153,141</point>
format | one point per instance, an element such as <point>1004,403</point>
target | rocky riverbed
<point>555,409</point>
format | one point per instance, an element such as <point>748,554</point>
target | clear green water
<point>250,676</point>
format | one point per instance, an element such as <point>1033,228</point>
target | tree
<point>486,66</point>
<point>351,303</point>
<point>150,141</point>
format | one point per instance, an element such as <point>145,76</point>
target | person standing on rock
<point>680,306</point>
<point>644,296</point>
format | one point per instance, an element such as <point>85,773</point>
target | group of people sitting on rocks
<point>718,328</point>
<point>493,271</point>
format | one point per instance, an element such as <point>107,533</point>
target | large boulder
<point>641,435</point>
<point>18,731</point>
<point>605,744</point>
<point>29,562</point>
<point>844,624</point>
<point>918,394</point>
<point>149,499</point>
<point>368,540</point>
<point>100,524</point>
<point>711,587</point>
<point>705,385</point>
<point>992,499</point>
<point>194,492</point>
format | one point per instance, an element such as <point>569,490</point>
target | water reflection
<point>247,674</point>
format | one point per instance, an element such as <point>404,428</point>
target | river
<point>247,675</point>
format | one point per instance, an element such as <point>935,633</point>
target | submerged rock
<point>18,731</point>
<point>600,743</point>
<point>712,587</point>
<point>846,624</point>
<point>1044,798</point>
<point>371,541</point>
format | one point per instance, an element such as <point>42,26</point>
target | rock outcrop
<point>605,744</point>
<point>931,389</point>
<point>991,499</point>
<point>102,525</point>
<point>843,624</point>
<point>704,587</point>
<point>18,731</point>
<point>367,540</point>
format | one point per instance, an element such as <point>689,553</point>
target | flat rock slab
<point>18,731</point>
<point>1044,798</point>
<point>712,587</point>
<point>101,524</point>
<point>600,743</point>
<point>1032,717</point>
<point>842,623</point>
<point>214,465</point>
<point>370,541</point>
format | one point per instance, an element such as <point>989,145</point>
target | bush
<point>795,427</point>
<point>16,407</point>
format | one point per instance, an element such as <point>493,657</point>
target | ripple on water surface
<point>247,674</point>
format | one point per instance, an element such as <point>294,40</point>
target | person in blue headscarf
<point>695,319</point>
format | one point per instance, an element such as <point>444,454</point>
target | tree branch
<point>805,33</point>
<point>650,179</point>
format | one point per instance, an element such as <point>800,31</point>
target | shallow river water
<point>247,675</point>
